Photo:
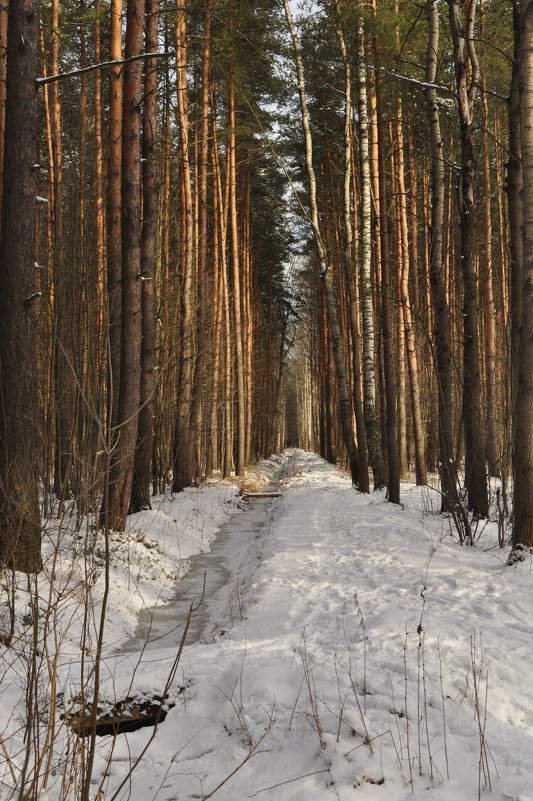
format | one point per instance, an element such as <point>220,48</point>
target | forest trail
<point>366,622</point>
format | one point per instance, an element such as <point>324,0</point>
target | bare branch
<point>102,65</point>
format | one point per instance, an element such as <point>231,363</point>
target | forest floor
<point>361,654</point>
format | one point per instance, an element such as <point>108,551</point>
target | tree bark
<point>183,458</point>
<point>349,264</point>
<point>367,311</point>
<point>199,407</point>
<point>140,492</point>
<point>20,529</point>
<point>235,267</point>
<point>122,458</point>
<point>410,340</point>
<point>100,314</point>
<point>3,69</point>
<point>465,60</point>
<point>63,294</point>
<point>393,462</point>
<point>515,196</point>
<point>113,219</point>
<point>489,312</point>
<point>523,430</point>
<point>450,497</point>
<point>223,204</point>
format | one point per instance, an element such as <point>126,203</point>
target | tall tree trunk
<point>450,497</point>
<point>218,300</point>
<point>523,430</point>
<point>515,185</point>
<point>349,263</point>
<point>122,458</point>
<point>223,205</point>
<point>237,308</point>
<point>465,60</point>
<point>489,312</point>
<point>183,456</point>
<point>20,528</point>
<point>345,406</point>
<point>101,282</point>
<point>140,491</point>
<point>3,69</point>
<point>369,381</point>
<point>393,462</point>
<point>202,325</point>
<point>63,293</point>
<point>113,219</point>
<point>410,341</point>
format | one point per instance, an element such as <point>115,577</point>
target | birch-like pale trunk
<point>389,373</point>
<point>409,332</point>
<point>367,307</point>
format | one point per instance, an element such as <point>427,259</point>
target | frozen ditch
<point>222,580</point>
<point>222,575</point>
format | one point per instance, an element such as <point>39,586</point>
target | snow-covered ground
<point>371,657</point>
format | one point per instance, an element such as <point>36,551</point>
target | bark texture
<point>20,530</point>
<point>122,459</point>
<point>367,309</point>
<point>448,477</point>
<point>523,432</point>
<point>466,63</point>
<point>140,493</point>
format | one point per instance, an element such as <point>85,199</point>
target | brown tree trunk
<point>223,204</point>
<point>63,293</point>
<point>515,185</point>
<point>183,457</point>
<point>199,407</point>
<point>450,498</point>
<point>523,431</point>
<point>465,60</point>
<point>410,340</point>
<point>393,484</point>
<point>489,313</point>
<point>122,457</point>
<point>398,254</point>
<point>237,310</point>
<point>218,300</point>
<point>3,68</point>
<point>20,528</point>
<point>349,262</point>
<point>101,283</point>
<point>140,491</point>
<point>113,219</point>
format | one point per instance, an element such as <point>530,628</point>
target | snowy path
<point>328,653</point>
